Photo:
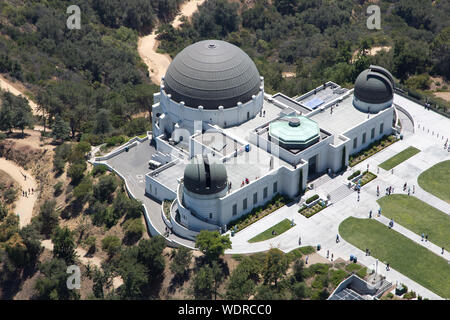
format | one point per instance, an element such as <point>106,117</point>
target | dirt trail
<point>147,46</point>
<point>15,89</point>
<point>24,205</point>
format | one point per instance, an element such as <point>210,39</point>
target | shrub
<point>354,174</point>
<point>314,197</point>
<point>410,295</point>
<point>58,188</point>
<point>390,295</point>
<point>99,169</point>
<point>90,244</point>
<point>133,229</point>
<point>111,244</point>
<point>114,141</point>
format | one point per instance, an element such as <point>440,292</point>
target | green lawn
<point>279,229</point>
<point>399,158</point>
<point>436,180</point>
<point>418,216</point>
<point>404,255</point>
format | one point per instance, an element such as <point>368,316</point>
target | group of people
<point>26,193</point>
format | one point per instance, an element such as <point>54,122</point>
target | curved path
<point>24,205</point>
<point>7,85</point>
<point>147,46</point>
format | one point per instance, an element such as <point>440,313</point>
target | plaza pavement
<point>322,228</point>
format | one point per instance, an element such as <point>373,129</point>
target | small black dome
<point>204,176</point>
<point>212,73</point>
<point>374,85</point>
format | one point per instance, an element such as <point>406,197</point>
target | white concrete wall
<point>224,117</point>
<point>386,117</point>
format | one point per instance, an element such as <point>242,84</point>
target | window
<point>372,134</point>
<point>381,128</point>
<point>255,198</point>
<point>265,193</point>
<point>364,138</point>
<point>210,215</point>
<point>275,187</point>
<point>234,209</point>
<point>244,204</point>
<point>355,143</point>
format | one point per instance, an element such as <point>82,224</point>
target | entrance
<point>312,168</point>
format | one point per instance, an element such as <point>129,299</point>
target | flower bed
<point>310,211</point>
<point>366,177</point>
<point>373,148</point>
<point>258,213</point>
<point>166,208</point>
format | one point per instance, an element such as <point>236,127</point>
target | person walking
<point>423,235</point>
<point>426,237</point>
<point>414,188</point>
<point>409,191</point>
<point>331,257</point>
<point>306,260</point>
<point>299,240</point>
<point>442,250</point>
<point>370,214</point>
<point>328,253</point>
<point>337,238</point>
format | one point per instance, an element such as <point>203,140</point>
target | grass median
<point>399,158</point>
<point>279,228</point>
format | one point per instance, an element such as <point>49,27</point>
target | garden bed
<point>258,213</point>
<point>373,148</point>
<point>166,208</point>
<point>310,211</point>
<point>366,177</point>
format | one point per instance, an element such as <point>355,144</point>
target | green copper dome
<point>205,176</point>
<point>297,132</point>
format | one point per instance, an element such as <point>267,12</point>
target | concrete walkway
<point>323,227</point>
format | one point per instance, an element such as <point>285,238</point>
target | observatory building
<point>226,147</point>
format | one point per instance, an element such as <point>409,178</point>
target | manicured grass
<point>418,216</point>
<point>436,180</point>
<point>399,158</point>
<point>404,255</point>
<point>279,229</point>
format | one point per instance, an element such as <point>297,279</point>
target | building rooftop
<point>344,117</point>
<point>220,143</point>
<point>321,96</point>
<point>269,112</point>
<point>291,103</point>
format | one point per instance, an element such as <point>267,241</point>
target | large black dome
<point>204,176</point>
<point>212,73</point>
<point>374,85</point>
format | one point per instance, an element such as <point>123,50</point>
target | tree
<point>60,129</point>
<point>212,244</point>
<point>102,124</point>
<point>105,187</point>
<point>203,283</point>
<point>298,270</point>
<point>15,112</point>
<point>48,217</point>
<point>134,278</point>
<point>150,254</point>
<point>180,262</point>
<point>76,172</point>
<point>243,280</point>
<point>275,266</point>
<point>64,245</point>
<point>52,284</point>
<point>133,229</point>
<point>299,290</point>
<point>111,244</point>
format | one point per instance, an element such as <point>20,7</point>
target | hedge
<point>355,174</point>
<point>314,197</point>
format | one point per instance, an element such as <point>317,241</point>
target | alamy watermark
<point>74,20</point>
<point>74,280</point>
<point>374,19</point>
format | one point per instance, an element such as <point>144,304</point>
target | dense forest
<point>316,39</point>
<point>88,75</point>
